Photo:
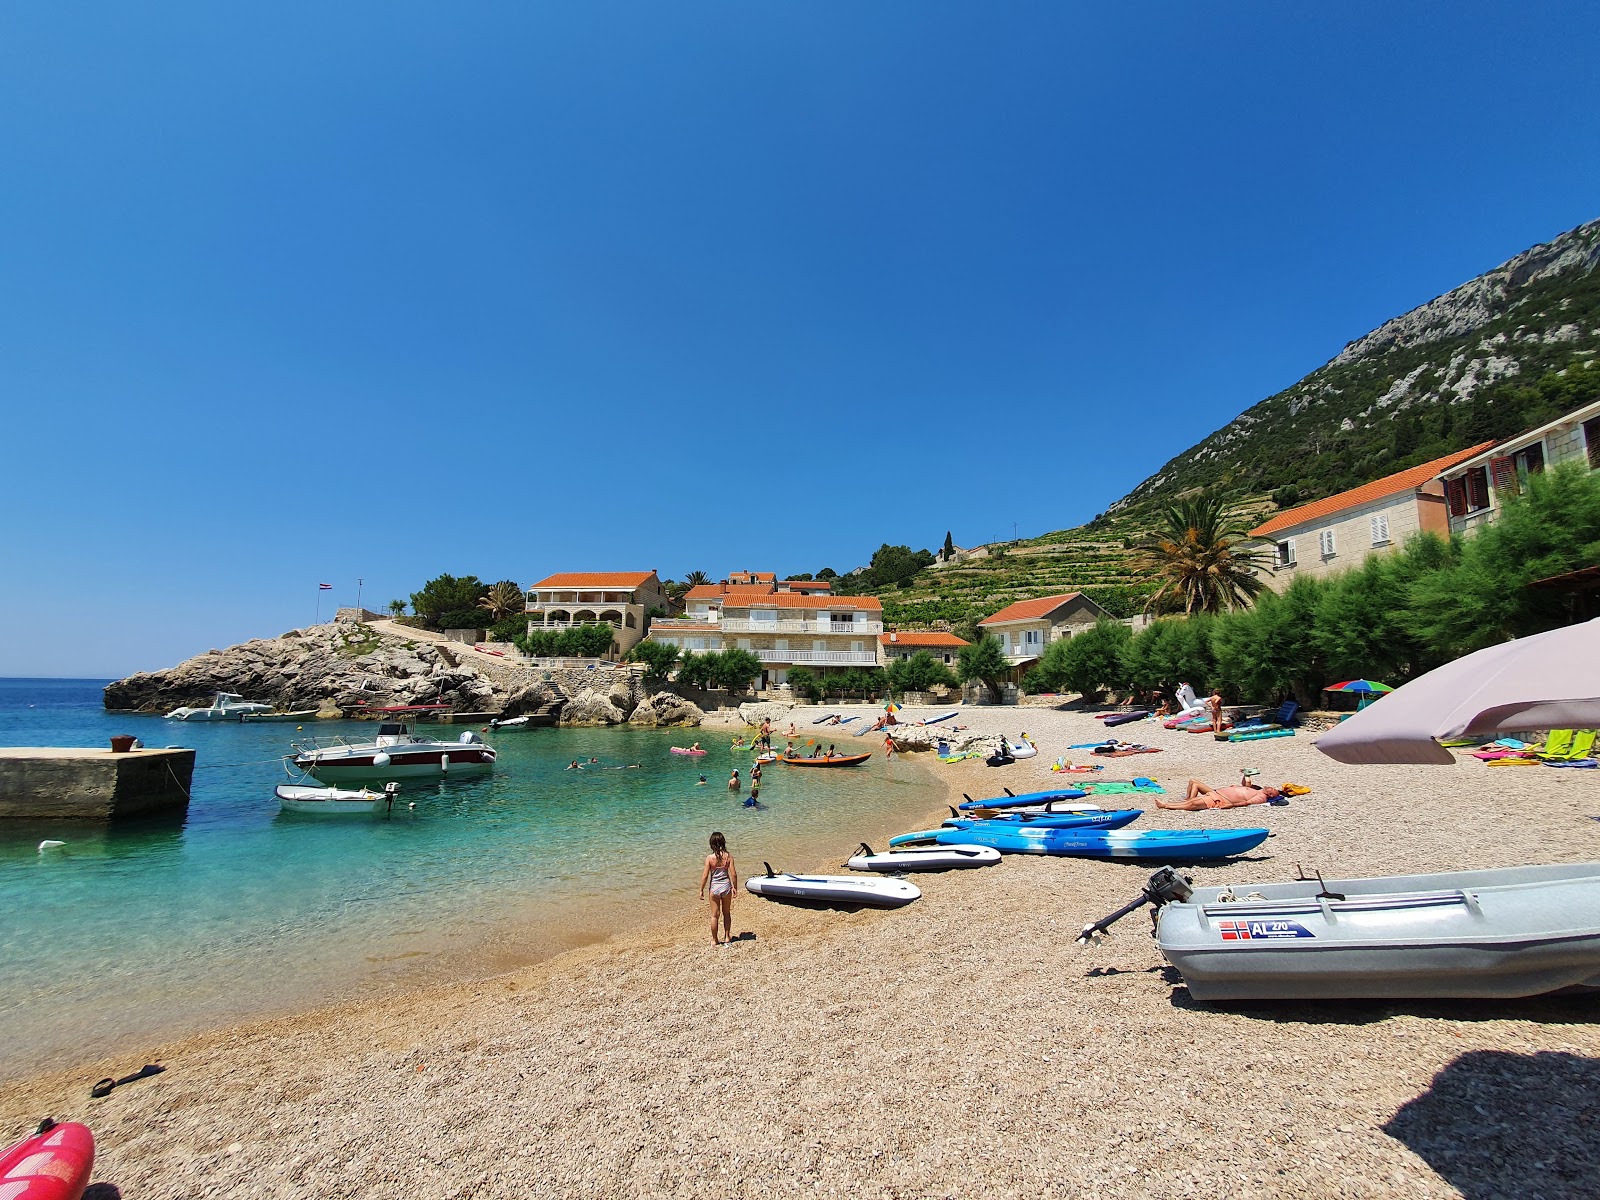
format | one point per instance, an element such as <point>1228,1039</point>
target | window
<point>1591,439</point>
<point>1286,553</point>
<point>1477,481</point>
<point>1380,529</point>
<point>1325,543</point>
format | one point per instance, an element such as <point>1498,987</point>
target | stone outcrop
<point>338,665</point>
<point>594,706</point>
<point>665,709</point>
<point>928,737</point>
<point>755,712</point>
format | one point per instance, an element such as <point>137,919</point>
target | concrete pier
<point>89,784</point>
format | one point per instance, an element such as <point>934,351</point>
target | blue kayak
<point>1023,801</point>
<point>1062,820</point>
<point>1152,845</point>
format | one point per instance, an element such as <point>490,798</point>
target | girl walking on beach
<point>721,877</point>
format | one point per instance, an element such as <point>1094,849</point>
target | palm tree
<point>696,578</point>
<point>503,599</point>
<point>1200,558</point>
<point>397,608</point>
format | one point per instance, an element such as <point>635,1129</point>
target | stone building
<point>1340,531</point>
<point>1474,486</point>
<point>622,599</point>
<point>1028,626</point>
<point>945,647</point>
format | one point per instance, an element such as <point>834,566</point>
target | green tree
<point>697,669</point>
<point>658,658</point>
<point>736,669</point>
<point>803,681</point>
<point>1272,648</point>
<point>949,546</point>
<point>919,673</point>
<point>696,578</point>
<point>984,662</point>
<point>1200,558</point>
<point>502,599</point>
<point>397,608</point>
<point>1090,662</point>
<point>447,594</point>
<point>827,573</point>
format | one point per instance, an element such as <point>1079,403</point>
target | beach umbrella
<point>1547,681</point>
<point>1364,687</point>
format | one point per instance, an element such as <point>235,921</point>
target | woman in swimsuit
<point>721,876</point>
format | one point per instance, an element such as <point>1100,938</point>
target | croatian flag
<point>324,587</point>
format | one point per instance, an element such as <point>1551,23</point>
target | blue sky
<point>307,293</point>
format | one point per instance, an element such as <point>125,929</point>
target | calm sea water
<point>137,931</point>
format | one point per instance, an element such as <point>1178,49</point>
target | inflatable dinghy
<point>832,889</point>
<point>53,1164</point>
<point>932,858</point>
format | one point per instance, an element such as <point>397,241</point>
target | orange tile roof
<point>922,639</point>
<point>596,579</point>
<point>820,585</point>
<point>704,591</point>
<point>1389,485</point>
<point>671,626</point>
<point>800,600</point>
<point>1029,610</point>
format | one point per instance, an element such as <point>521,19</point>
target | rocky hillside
<point>1510,349</point>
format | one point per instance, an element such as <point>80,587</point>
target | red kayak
<point>837,760</point>
<point>53,1164</point>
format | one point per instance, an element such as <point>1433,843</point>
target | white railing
<point>842,658</point>
<point>745,625</point>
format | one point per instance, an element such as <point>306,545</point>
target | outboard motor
<point>1165,886</point>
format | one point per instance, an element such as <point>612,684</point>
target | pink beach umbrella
<point>1547,681</point>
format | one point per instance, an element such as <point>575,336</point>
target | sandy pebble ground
<point>959,1047</point>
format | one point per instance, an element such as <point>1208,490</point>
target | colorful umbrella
<point>1365,687</point>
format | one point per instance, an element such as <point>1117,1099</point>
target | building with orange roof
<point>622,599</point>
<point>1340,531</point>
<point>943,646</point>
<point>784,623</point>
<point>1026,627</point>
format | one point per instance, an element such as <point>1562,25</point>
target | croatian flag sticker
<point>1262,931</point>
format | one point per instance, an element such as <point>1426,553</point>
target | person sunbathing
<point>1238,795</point>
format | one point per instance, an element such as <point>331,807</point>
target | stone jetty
<point>54,783</point>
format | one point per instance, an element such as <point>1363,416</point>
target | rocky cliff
<point>345,666</point>
<point>1508,350</point>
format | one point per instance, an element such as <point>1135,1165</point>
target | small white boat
<point>508,723</point>
<point>330,801</point>
<point>303,714</point>
<point>931,858</point>
<point>832,889</point>
<point>228,706</point>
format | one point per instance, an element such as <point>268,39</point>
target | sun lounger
<point>1575,746</point>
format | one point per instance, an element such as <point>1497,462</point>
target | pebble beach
<point>962,1046</point>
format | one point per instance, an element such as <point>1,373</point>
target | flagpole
<point>318,621</point>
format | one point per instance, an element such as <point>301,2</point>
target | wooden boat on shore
<point>833,760</point>
<point>1495,934</point>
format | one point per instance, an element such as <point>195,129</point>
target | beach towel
<point>1514,762</point>
<point>1295,789</point>
<point>1582,762</point>
<point>1118,788</point>
<point>1130,750</point>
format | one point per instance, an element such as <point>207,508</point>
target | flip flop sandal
<point>105,1086</point>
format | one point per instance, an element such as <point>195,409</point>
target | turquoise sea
<point>131,933</point>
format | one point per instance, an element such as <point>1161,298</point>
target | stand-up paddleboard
<point>1157,845</point>
<point>53,1164</point>
<point>1047,820</point>
<point>931,858</point>
<point>826,717</point>
<point>832,889</point>
<point>942,717</point>
<point>1026,800</point>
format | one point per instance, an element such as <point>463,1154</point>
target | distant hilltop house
<point>1340,531</point>
<point>1474,485</point>
<point>1028,626</point>
<point>622,599</point>
<point>944,647</point>
<point>785,623</point>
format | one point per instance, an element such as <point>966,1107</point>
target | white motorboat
<point>1500,934</point>
<point>330,801</point>
<point>397,752</point>
<point>228,706</point>
<point>832,889</point>
<point>930,858</point>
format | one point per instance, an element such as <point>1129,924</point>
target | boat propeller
<point>1165,886</point>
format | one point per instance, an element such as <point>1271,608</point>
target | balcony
<point>827,658</point>
<point>745,625</point>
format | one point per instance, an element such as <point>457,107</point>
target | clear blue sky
<point>299,293</point>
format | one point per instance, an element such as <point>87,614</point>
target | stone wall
<point>72,784</point>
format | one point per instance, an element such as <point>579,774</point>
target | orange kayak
<point>837,760</point>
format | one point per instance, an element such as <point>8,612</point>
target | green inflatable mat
<point>1120,789</point>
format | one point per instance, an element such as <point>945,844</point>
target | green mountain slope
<point>1511,349</point>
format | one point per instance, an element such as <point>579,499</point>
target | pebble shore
<point>962,1046</point>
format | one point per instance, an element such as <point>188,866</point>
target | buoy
<point>50,844</point>
<point>380,760</point>
<point>444,764</point>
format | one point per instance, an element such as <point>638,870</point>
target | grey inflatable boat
<point>1511,932</point>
